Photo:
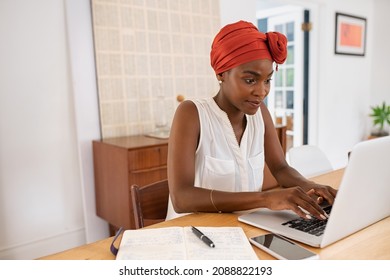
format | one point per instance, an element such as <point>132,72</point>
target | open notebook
<point>180,243</point>
<point>362,199</point>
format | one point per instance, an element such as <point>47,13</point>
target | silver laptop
<point>363,199</point>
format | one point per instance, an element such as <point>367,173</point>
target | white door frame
<point>314,52</point>
<point>284,15</point>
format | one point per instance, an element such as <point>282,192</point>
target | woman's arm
<point>283,173</point>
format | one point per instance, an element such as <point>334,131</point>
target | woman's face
<point>246,86</point>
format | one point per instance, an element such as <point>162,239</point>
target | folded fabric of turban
<point>242,42</point>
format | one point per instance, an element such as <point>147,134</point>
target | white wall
<point>41,208</point>
<point>350,85</point>
<point>49,117</point>
<point>380,86</point>
<point>233,10</point>
<point>344,83</point>
<point>48,114</point>
<point>85,98</point>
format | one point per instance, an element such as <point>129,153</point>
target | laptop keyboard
<point>314,226</point>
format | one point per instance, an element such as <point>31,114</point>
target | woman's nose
<point>260,90</point>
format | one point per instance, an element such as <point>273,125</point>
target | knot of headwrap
<point>277,44</point>
<point>242,42</point>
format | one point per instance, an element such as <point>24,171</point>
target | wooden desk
<point>372,242</point>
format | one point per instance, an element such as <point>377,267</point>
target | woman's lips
<point>254,103</point>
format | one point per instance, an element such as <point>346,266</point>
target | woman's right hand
<point>295,199</point>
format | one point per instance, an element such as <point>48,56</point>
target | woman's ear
<point>220,78</point>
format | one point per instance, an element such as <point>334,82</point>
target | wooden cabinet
<point>119,163</point>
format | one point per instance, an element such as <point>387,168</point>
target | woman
<point>218,146</point>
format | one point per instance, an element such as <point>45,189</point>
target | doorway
<point>288,99</point>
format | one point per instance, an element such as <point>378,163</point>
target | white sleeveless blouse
<point>220,162</point>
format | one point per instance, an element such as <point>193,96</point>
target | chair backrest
<point>309,160</point>
<point>150,203</point>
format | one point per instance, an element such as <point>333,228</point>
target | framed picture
<point>350,36</point>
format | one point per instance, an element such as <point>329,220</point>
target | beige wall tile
<point>147,53</point>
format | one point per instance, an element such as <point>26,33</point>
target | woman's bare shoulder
<point>185,128</point>
<point>187,104</point>
<point>187,109</point>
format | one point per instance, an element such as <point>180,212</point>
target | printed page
<point>152,244</point>
<point>231,243</point>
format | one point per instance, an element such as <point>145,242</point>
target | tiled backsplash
<point>148,52</point>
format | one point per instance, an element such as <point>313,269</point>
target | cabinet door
<point>148,176</point>
<point>147,158</point>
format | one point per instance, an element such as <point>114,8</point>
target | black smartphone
<point>282,248</point>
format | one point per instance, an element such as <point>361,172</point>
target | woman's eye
<point>268,81</point>
<point>250,81</point>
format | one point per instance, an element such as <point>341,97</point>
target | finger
<point>301,212</point>
<point>311,192</point>
<point>315,195</point>
<point>305,206</point>
<point>332,192</point>
<point>327,194</point>
<point>313,208</point>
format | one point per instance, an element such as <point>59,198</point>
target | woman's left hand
<point>321,192</point>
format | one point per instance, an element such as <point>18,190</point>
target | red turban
<point>242,42</point>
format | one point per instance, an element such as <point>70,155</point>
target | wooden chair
<point>150,203</point>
